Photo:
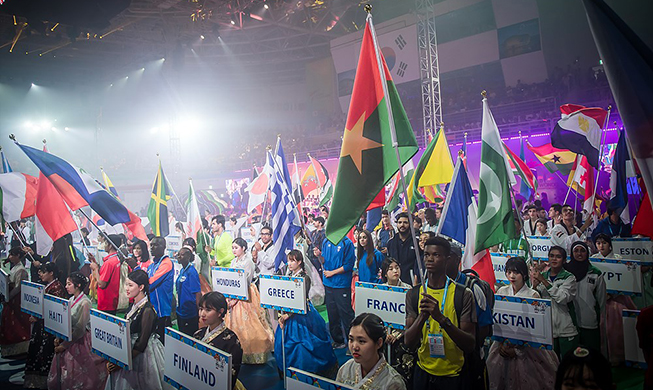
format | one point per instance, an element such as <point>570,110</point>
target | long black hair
<point>78,280</point>
<point>145,253</point>
<point>369,248</point>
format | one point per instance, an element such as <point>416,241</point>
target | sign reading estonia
<point>4,284</point>
<point>633,353</point>
<point>232,282</point>
<point>192,364</point>
<point>523,321</point>
<point>283,293</point>
<point>640,249</point>
<point>499,266</point>
<point>621,276</point>
<point>540,246</point>
<point>301,380</point>
<point>31,298</point>
<point>388,302</point>
<point>110,338</point>
<point>56,317</point>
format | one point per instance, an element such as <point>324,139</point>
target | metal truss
<point>429,67</point>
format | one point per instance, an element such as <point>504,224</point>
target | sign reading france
<point>31,298</point>
<point>285,293</point>
<point>388,302</point>
<point>110,338</point>
<point>231,282</point>
<point>56,317</point>
<point>523,321</point>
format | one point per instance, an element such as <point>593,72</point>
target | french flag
<point>79,189</point>
<point>458,222</point>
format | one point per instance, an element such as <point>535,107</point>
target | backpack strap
<point>458,299</point>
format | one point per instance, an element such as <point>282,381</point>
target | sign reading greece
<point>31,298</point>
<point>499,266</point>
<point>192,364</point>
<point>640,249</point>
<point>110,338</point>
<point>540,246</point>
<point>283,293</point>
<point>56,317</point>
<point>621,276</point>
<point>301,380</point>
<point>523,321</point>
<point>388,302</point>
<point>633,353</point>
<point>232,282</point>
<point>4,284</point>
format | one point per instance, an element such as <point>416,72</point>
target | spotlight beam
<point>22,27</point>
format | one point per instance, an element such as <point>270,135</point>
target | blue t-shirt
<point>187,284</point>
<point>370,274</point>
<point>336,256</point>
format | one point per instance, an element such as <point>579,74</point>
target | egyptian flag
<point>579,130</point>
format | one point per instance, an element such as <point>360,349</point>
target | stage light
<point>110,85</point>
<point>266,6</point>
<point>202,37</point>
<point>233,22</point>
<point>126,77</point>
<point>53,128</point>
<point>210,186</point>
<point>142,69</point>
<point>67,128</point>
<point>154,130</point>
<point>45,124</point>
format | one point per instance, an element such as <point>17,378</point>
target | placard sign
<point>640,249</point>
<point>283,293</point>
<point>499,266</point>
<point>297,379</point>
<point>246,234</point>
<point>621,276</point>
<point>31,298</point>
<point>523,321</point>
<point>192,364</point>
<point>4,284</point>
<point>634,354</point>
<point>388,302</point>
<point>56,317</point>
<point>540,246</point>
<point>110,338</point>
<point>232,282</point>
<point>173,243</point>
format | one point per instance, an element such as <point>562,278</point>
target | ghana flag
<point>157,212</point>
<point>554,159</point>
<point>367,158</point>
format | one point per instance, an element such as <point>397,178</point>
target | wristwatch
<point>446,322</point>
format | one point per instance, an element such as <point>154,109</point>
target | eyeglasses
<point>265,234</point>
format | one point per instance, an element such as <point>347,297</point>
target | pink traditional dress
<point>78,368</point>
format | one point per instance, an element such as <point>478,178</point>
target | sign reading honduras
<point>31,298</point>
<point>540,246</point>
<point>56,317</point>
<point>231,282</point>
<point>192,364</point>
<point>639,249</point>
<point>634,354</point>
<point>621,276</point>
<point>499,265</point>
<point>523,321</point>
<point>388,302</point>
<point>301,380</point>
<point>110,338</point>
<point>285,293</point>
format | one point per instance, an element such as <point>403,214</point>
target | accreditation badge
<point>436,345</point>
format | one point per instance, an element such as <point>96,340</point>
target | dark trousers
<point>424,381</point>
<point>188,325</point>
<point>339,312</point>
<point>112,312</point>
<point>161,324</point>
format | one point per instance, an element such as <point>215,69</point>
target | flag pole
<point>598,171</point>
<point>265,197</point>
<point>21,240</point>
<point>576,165</point>
<point>395,143</point>
<point>102,233</point>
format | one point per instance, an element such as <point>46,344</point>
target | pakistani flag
<point>495,219</point>
<point>367,158</point>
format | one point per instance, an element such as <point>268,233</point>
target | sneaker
<point>17,379</point>
<point>338,345</point>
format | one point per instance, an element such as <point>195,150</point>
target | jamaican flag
<point>157,212</point>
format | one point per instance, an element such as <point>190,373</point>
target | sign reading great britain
<point>110,338</point>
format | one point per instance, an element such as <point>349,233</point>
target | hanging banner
<point>4,285</point>
<point>192,364</point>
<point>621,276</point>
<point>634,354</point>
<point>540,246</point>
<point>523,321</point>
<point>388,302</point>
<point>110,338</point>
<point>639,249</point>
<point>297,379</point>
<point>31,301</point>
<point>285,293</point>
<point>231,282</point>
<point>56,317</point>
<point>499,266</point>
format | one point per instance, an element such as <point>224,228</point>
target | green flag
<point>495,218</point>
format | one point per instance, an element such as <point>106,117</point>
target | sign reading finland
<point>4,284</point>
<point>285,293</point>
<point>640,249</point>
<point>192,364</point>
<point>31,298</point>
<point>621,276</point>
<point>499,266</point>
<point>56,317</point>
<point>110,338</point>
<point>388,302</point>
<point>523,321</point>
<point>297,379</point>
<point>540,246</point>
<point>232,282</point>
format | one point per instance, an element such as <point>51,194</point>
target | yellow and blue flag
<point>157,212</point>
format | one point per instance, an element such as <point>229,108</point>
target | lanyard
<point>444,299</point>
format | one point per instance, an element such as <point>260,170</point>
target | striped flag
<point>6,168</point>
<point>554,159</point>
<point>579,130</point>
<point>157,211</point>
<point>519,167</point>
<point>18,195</point>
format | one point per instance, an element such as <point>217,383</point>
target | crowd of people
<point>446,343</point>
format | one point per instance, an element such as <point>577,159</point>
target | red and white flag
<point>581,179</point>
<point>258,188</point>
<point>18,195</point>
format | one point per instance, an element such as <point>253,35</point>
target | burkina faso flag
<point>367,158</point>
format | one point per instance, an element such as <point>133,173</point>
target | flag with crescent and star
<point>367,158</point>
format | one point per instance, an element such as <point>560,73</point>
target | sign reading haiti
<point>633,353</point>
<point>110,338</point>
<point>283,293</point>
<point>621,276</point>
<point>639,249</point>
<point>192,364</point>
<point>4,284</point>
<point>523,321</point>
<point>297,379</point>
<point>387,302</point>
<point>31,298</point>
<point>540,246</point>
<point>56,317</point>
<point>499,266</point>
<point>232,282</point>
